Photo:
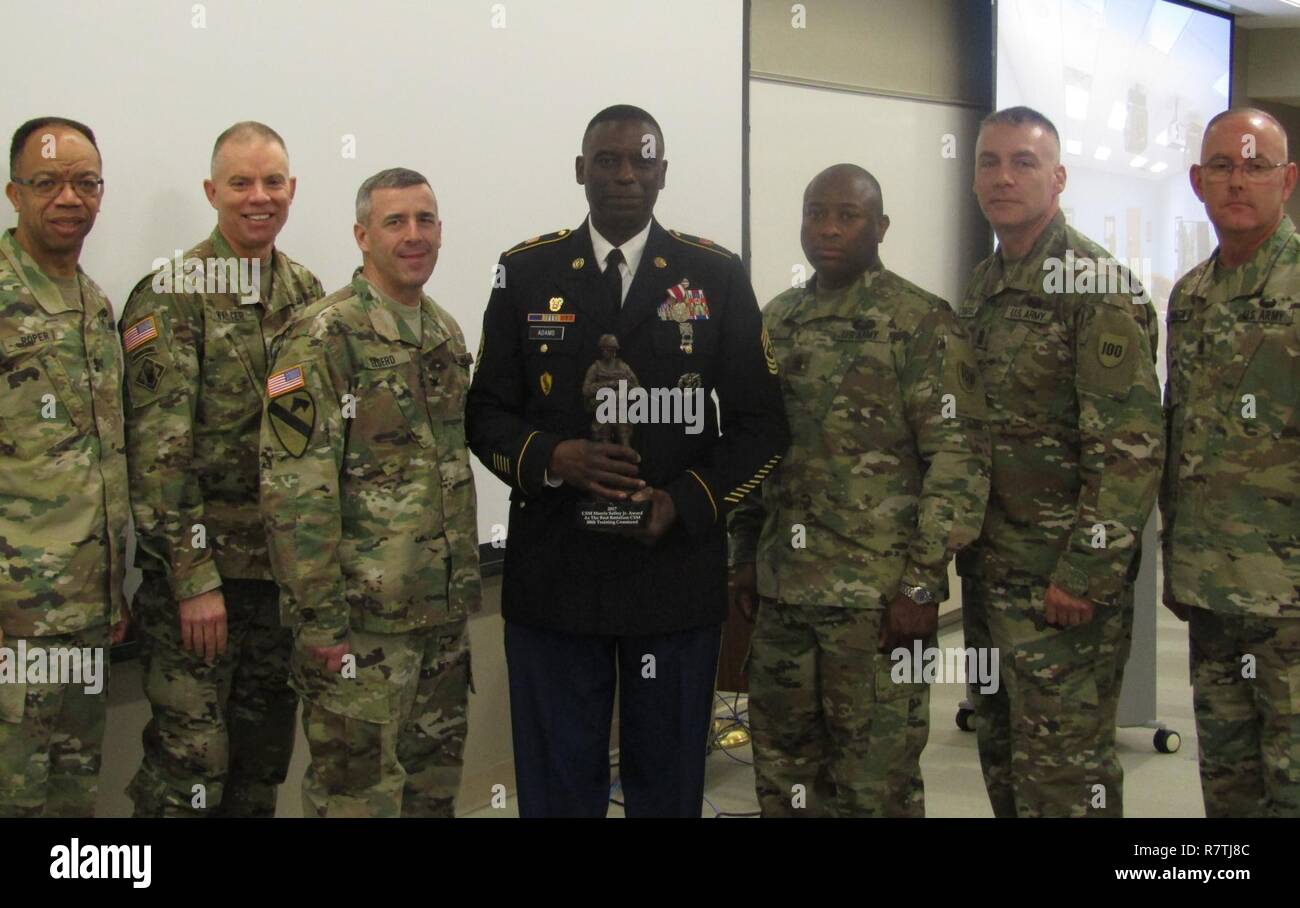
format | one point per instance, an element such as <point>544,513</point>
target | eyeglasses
<point>45,187</point>
<point>1255,170</point>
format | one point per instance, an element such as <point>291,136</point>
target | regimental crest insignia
<point>556,303</point>
<point>293,419</point>
<point>1111,349</point>
<point>545,383</point>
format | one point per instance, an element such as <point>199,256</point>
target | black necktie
<point>613,283</point>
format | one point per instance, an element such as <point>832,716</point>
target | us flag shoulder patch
<point>284,381</point>
<point>139,334</point>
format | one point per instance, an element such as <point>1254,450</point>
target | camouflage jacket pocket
<point>13,701</point>
<point>369,686</point>
<point>1041,380</point>
<point>49,585</point>
<point>388,412</point>
<point>450,382</point>
<point>39,411</point>
<point>813,363</point>
<point>1264,373</point>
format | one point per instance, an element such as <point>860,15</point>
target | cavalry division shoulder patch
<point>293,419</point>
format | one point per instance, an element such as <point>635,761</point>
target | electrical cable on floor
<point>739,718</point>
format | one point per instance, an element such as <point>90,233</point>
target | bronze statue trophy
<point>610,372</point>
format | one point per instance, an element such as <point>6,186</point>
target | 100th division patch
<point>1111,349</point>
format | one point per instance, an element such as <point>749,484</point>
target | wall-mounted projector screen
<point>1130,84</point>
<point>488,100</point>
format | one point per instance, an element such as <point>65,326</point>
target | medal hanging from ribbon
<point>685,306</point>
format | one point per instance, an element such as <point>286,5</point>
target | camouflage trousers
<point>1047,734</point>
<point>1247,713</point>
<point>826,715</point>
<point>221,734</point>
<point>51,734</point>
<point>387,737</point>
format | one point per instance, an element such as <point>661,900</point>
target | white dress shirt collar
<point>632,249</point>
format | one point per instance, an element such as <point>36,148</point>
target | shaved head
<point>246,131</point>
<point>843,224</point>
<point>1248,120</point>
<point>854,175</point>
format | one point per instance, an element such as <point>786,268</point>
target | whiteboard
<point>488,100</point>
<point>936,234</point>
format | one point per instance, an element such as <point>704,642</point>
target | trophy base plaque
<point>605,516</point>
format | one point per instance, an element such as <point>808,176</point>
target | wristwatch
<point>918,594</point>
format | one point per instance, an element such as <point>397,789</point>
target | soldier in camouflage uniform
<point>369,506</point>
<point>1231,493</point>
<point>63,484</point>
<point>886,477</point>
<point>1074,415</point>
<point>215,659</point>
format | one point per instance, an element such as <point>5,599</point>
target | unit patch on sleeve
<point>293,419</point>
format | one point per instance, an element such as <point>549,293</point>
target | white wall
<point>493,117</point>
<point>936,234</point>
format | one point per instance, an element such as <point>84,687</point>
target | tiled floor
<point>1156,785</point>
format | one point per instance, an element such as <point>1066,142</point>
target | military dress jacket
<point>689,320</point>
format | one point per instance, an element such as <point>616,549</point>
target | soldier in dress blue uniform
<point>638,609</point>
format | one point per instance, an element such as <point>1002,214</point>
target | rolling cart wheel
<point>966,719</point>
<point>1167,741</point>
